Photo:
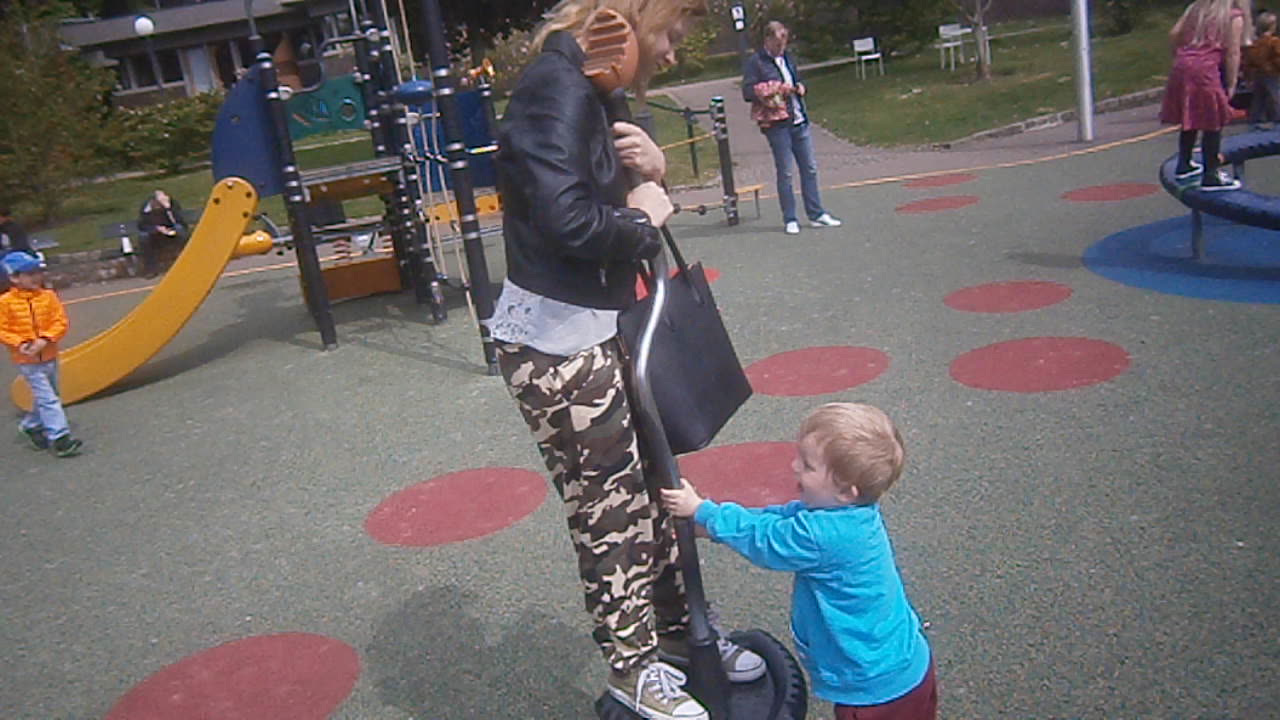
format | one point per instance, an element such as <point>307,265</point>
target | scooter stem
<point>707,679</point>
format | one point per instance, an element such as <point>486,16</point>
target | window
<point>123,80</point>
<point>140,68</point>
<point>170,66</point>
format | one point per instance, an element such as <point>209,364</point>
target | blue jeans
<point>1266,100</point>
<point>786,140</point>
<point>46,410</point>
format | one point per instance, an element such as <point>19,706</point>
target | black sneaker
<point>66,446</point>
<point>36,437</point>
<point>1219,181</point>
<point>1191,173</point>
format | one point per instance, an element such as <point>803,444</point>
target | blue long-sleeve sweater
<point>855,631</point>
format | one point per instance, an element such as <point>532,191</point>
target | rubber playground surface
<point>259,529</point>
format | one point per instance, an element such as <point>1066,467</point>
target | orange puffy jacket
<point>29,314</point>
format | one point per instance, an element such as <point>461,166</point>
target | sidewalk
<point>841,162</point>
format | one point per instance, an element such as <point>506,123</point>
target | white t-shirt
<point>796,113</point>
<point>556,328</point>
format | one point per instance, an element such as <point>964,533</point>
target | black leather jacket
<point>568,233</point>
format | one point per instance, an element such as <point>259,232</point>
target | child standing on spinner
<point>1206,48</point>
<point>855,630</point>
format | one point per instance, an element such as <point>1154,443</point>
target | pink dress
<point>1195,97</point>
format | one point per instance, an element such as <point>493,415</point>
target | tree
<point>473,26</point>
<point>976,12</point>
<point>53,112</point>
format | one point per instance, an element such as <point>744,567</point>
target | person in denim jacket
<point>771,83</point>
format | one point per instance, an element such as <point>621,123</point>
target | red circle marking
<point>1041,364</point>
<point>754,474</point>
<point>642,291</point>
<point>938,204</point>
<point>935,181</point>
<point>289,676</point>
<point>1110,193</point>
<point>1006,297</point>
<point>457,506</point>
<point>816,370</point>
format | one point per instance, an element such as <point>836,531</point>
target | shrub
<point>1119,17</point>
<point>166,137</point>
<point>509,54</point>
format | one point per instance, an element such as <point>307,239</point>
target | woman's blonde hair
<point>860,446</point>
<point>1209,21</point>
<point>649,18</point>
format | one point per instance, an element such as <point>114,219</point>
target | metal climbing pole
<point>721,129</point>
<point>304,243</point>
<point>408,232</point>
<point>460,171</point>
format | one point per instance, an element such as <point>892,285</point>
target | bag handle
<point>682,267</point>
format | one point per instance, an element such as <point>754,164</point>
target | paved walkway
<point>841,162</point>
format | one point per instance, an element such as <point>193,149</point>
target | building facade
<point>199,46</point>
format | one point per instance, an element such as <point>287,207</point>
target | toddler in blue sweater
<point>853,626</point>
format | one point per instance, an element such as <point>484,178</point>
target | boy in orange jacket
<point>32,322</point>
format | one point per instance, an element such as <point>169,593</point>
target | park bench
<point>755,192</point>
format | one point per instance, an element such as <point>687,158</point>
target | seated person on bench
<point>161,224</point>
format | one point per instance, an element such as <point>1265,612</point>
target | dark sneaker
<point>1189,174</point>
<point>36,437</point>
<point>655,690</point>
<point>1222,181</point>
<point>740,664</point>
<point>66,446</point>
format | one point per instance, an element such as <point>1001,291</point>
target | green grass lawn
<point>720,65</point>
<point>1033,74</point>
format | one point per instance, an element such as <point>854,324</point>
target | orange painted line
<point>997,166</point>
<point>227,274</point>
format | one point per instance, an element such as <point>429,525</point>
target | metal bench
<point>124,232</point>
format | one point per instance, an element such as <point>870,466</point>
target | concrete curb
<point>1124,102</point>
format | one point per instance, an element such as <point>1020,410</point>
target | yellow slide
<point>99,362</point>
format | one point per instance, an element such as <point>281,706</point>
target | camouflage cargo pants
<point>580,415</point>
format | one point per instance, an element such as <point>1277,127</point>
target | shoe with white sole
<point>792,228</point>
<point>740,664</point>
<point>1193,171</point>
<point>825,220</point>
<point>1219,181</point>
<point>655,690</point>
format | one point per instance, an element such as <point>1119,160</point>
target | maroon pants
<point>919,704</point>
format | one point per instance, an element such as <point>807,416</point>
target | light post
<point>738,13</point>
<point>144,27</point>
<point>1084,69</point>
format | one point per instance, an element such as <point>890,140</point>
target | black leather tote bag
<point>697,380</point>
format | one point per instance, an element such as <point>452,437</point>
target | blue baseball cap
<point>21,262</point>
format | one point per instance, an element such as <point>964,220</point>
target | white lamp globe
<point>143,26</point>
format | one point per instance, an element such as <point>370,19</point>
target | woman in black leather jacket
<point>575,231</point>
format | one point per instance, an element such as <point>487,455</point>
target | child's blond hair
<point>1266,22</point>
<point>1209,21</point>
<point>860,446</point>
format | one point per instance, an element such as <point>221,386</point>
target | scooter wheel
<point>790,691</point>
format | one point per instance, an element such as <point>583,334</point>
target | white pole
<point>1084,72</point>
